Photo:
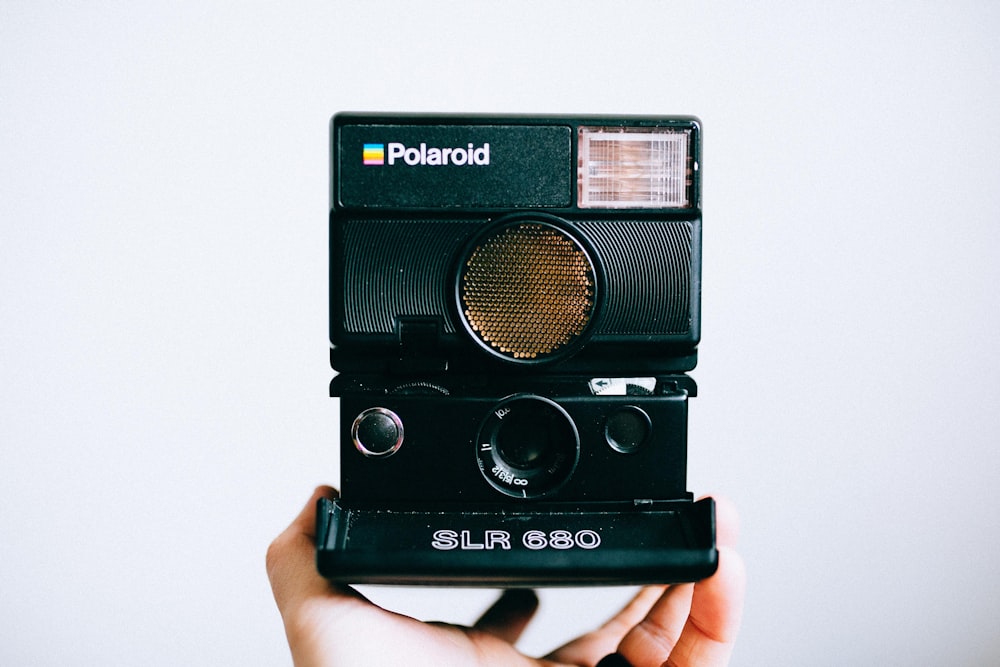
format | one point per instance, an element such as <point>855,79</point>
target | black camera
<point>514,303</point>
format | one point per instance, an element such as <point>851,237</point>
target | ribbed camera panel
<point>648,275</point>
<point>404,268</point>
<point>399,268</point>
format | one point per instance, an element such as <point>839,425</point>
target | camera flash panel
<point>634,167</point>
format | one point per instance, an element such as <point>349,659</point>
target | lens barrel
<point>528,446</point>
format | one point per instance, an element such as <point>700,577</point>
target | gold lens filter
<point>528,291</point>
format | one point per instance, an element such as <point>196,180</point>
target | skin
<point>684,625</point>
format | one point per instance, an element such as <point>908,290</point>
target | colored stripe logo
<point>374,154</point>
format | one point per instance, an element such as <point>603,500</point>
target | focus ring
<point>528,446</point>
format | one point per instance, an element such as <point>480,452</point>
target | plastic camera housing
<point>514,306</point>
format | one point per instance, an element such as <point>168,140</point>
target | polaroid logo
<point>424,155</point>
<point>374,154</point>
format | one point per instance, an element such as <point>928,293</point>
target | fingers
<point>652,624</point>
<point>652,639</point>
<point>605,639</point>
<point>716,612</point>
<point>727,522</point>
<point>291,558</point>
<point>635,610</point>
<point>305,522</point>
<point>510,615</point>
<point>695,625</point>
<point>314,611</point>
<point>692,626</point>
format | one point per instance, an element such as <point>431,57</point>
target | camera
<point>514,307</point>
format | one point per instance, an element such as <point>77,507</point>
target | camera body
<point>514,303</point>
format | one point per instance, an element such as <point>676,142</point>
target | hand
<point>685,625</point>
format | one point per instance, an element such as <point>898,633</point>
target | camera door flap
<point>558,547</point>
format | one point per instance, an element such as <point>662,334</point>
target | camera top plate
<point>428,162</point>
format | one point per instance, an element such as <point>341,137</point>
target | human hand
<point>683,625</point>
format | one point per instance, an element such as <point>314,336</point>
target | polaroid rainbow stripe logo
<point>374,154</point>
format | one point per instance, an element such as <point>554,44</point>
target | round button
<point>377,432</point>
<point>628,429</point>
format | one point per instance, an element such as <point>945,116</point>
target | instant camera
<point>514,306</point>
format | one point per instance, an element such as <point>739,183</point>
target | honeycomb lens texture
<point>528,292</point>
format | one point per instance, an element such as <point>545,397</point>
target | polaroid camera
<point>514,303</point>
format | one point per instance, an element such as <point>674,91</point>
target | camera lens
<point>528,446</point>
<point>527,291</point>
<point>530,438</point>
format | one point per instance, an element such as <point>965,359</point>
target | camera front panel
<point>396,294</point>
<point>574,266</point>
<point>522,448</point>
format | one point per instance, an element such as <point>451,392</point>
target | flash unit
<point>634,167</point>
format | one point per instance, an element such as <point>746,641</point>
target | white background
<point>163,313</point>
